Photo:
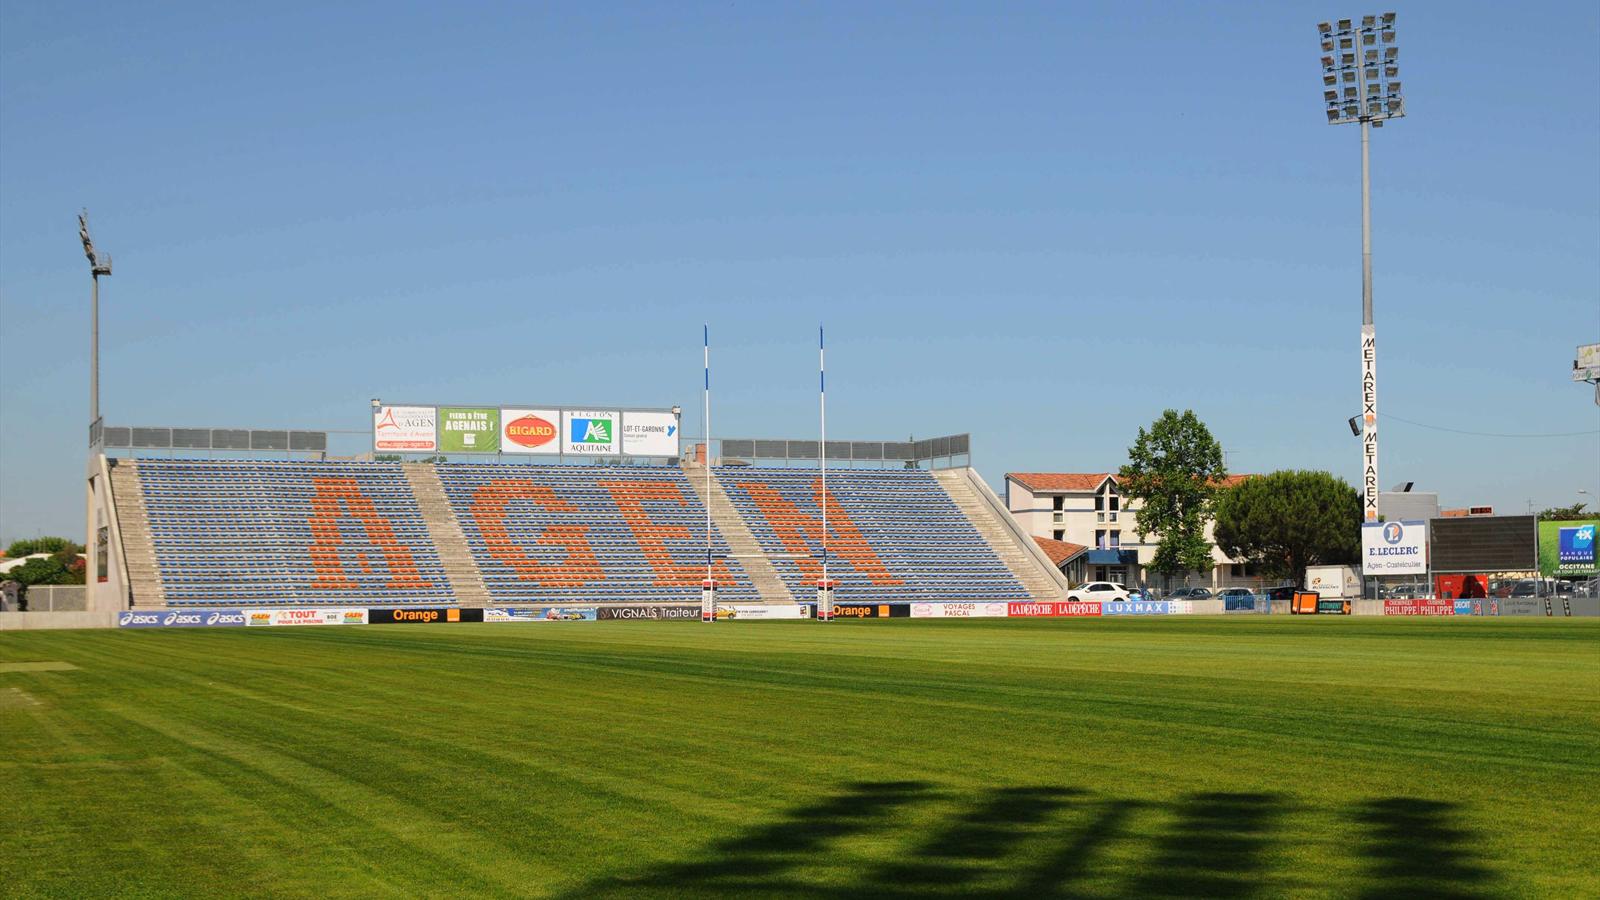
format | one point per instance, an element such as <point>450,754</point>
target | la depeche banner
<point>525,430</point>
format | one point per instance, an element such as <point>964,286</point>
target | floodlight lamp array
<point>1365,96</point>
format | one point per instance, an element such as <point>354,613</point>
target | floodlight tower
<point>98,266</point>
<point>1354,57</point>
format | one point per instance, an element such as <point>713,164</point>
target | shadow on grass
<point>1414,848</point>
<point>1054,841</point>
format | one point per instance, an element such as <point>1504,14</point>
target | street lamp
<point>1360,79</point>
<point>98,266</point>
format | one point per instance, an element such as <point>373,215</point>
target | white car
<point>1097,590</point>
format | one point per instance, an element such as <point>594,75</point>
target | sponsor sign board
<point>410,429</point>
<point>181,618</point>
<point>1369,420</point>
<point>538,614</point>
<point>530,431</point>
<point>1465,608</point>
<point>871,610</point>
<point>423,615</point>
<point>469,429</point>
<point>1053,610</point>
<point>649,434</point>
<point>742,611</point>
<point>1419,607</point>
<point>1136,608</point>
<point>1394,548</point>
<point>586,432</point>
<point>1567,548</point>
<point>1333,607</point>
<point>649,612</point>
<point>277,617</point>
<point>958,610</point>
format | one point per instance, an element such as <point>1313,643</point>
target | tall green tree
<point>1174,469</point>
<point>62,567</point>
<point>1285,521</point>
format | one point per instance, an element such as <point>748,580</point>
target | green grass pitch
<point>1109,758</point>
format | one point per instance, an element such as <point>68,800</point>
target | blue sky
<point>1042,224</point>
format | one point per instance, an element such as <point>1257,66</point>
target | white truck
<point>1334,582</point>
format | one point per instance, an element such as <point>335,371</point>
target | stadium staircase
<point>1014,547</point>
<point>144,578</point>
<point>741,542</point>
<point>466,582</point>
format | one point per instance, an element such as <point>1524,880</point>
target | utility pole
<point>98,266</point>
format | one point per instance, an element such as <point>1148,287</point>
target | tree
<point>62,567</point>
<point>1286,521</point>
<point>1174,470</point>
<point>1575,511</point>
<point>30,546</point>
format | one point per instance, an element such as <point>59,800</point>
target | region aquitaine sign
<point>525,430</point>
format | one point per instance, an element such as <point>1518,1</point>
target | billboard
<point>1394,548</point>
<point>590,433</point>
<point>530,431</point>
<point>405,428</point>
<point>1567,547</point>
<point>1483,544</point>
<point>469,429</point>
<point>649,434</point>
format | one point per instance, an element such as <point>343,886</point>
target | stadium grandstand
<point>195,532</point>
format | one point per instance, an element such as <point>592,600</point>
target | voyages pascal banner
<point>466,429</point>
<point>1394,548</point>
<point>1567,548</point>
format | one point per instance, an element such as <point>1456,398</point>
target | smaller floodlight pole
<point>706,337</point>
<point>97,266</point>
<point>1360,76</point>
<point>826,587</point>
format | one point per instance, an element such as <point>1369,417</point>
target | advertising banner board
<point>539,614</point>
<point>745,611</point>
<point>870,610</point>
<point>1419,607</point>
<point>650,612</point>
<point>958,610</point>
<point>1394,548</point>
<point>408,429</point>
<point>469,429</point>
<point>1136,608</point>
<point>530,431</point>
<point>649,434</point>
<point>1567,548</point>
<point>1054,609</point>
<point>181,618</point>
<point>277,617</point>
<point>423,616</point>
<point>590,433</point>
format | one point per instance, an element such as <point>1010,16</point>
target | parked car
<point>1526,587</point>
<point>1097,590</point>
<point>1237,598</point>
<point>1190,593</point>
<point>1284,593</point>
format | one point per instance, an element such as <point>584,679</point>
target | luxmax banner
<point>539,614</point>
<point>1136,608</point>
<point>958,610</point>
<point>1394,548</point>
<point>181,618</point>
<point>276,617</point>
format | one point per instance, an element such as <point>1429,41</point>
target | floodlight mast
<point>98,266</point>
<point>1351,53</point>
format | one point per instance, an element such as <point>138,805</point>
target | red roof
<point>1060,481</point>
<point>1058,551</point>
<point>1083,481</point>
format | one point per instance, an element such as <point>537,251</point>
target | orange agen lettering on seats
<point>337,498</point>
<point>489,504</point>
<point>800,530</point>
<point>630,497</point>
